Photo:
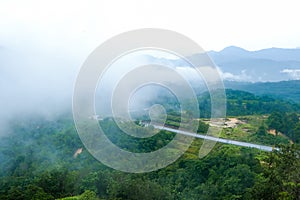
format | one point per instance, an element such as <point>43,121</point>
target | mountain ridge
<point>288,90</point>
<point>271,64</point>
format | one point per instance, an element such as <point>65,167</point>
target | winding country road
<point>222,140</point>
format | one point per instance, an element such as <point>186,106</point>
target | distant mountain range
<point>273,64</point>
<point>273,72</point>
<point>237,64</point>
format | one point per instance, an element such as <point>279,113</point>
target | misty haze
<point>157,127</point>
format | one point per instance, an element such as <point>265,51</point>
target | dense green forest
<point>238,103</point>
<point>245,103</point>
<point>288,90</point>
<point>37,160</point>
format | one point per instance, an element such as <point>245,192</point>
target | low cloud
<point>241,77</point>
<point>34,80</point>
<point>293,73</point>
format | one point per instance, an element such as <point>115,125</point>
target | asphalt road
<point>222,140</point>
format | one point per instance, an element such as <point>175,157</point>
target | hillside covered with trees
<point>38,160</point>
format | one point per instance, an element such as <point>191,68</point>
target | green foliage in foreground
<point>87,195</point>
<point>37,163</point>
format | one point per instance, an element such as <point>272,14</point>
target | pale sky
<point>77,27</point>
